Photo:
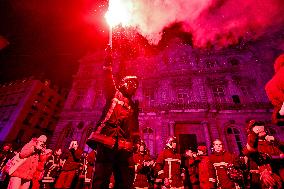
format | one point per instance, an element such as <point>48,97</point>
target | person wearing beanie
<point>38,175</point>
<point>275,91</point>
<point>203,164</point>
<point>26,163</point>
<point>265,157</point>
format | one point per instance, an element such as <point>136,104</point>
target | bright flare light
<point>118,12</point>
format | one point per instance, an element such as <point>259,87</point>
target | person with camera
<point>191,166</point>
<point>265,157</point>
<point>143,166</point>
<point>38,175</point>
<point>116,131</point>
<point>6,154</point>
<point>70,167</point>
<point>23,166</point>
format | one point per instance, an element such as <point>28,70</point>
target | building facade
<point>28,108</point>
<point>193,94</point>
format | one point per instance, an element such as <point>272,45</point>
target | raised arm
<point>28,149</point>
<point>109,84</point>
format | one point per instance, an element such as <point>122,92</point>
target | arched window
<point>87,132</point>
<point>66,136</point>
<point>234,61</point>
<point>80,125</point>
<point>148,135</point>
<point>234,139</point>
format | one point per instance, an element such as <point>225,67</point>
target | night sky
<point>48,37</point>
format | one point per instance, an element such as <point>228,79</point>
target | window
<point>182,95</point>
<point>80,125</point>
<point>149,139</point>
<point>40,122</point>
<point>234,61</point>
<point>149,93</point>
<point>149,96</point>
<point>88,133</point>
<point>77,103</point>
<point>210,63</point>
<point>27,120</point>
<point>236,99</point>
<point>245,90</point>
<point>218,91</point>
<point>6,116</point>
<point>234,139</point>
<point>41,93</point>
<point>50,99</point>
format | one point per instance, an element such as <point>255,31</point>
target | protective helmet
<point>202,148</point>
<point>127,81</point>
<point>253,123</point>
<point>142,143</point>
<point>170,141</point>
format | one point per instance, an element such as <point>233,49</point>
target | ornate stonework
<point>183,92</point>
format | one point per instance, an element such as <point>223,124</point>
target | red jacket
<point>28,168</point>
<point>166,159</point>
<point>218,163</point>
<point>141,179</point>
<point>203,172</point>
<point>73,160</point>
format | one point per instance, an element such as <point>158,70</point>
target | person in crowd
<point>168,166</point>
<point>52,168</point>
<point>275,91</point>
<point>117,129</point>
<point>86,170</point>
<point>38,175</point>
<point>265,157</point>
<point>54,163</point>
<point>191,166</point>
<point>90,166</point>
<point>72,164</point>
<point>6,154</point>
<point>143,165</point>
<point>220,161</point>
<point>203,164</point>
<point>23,166</point>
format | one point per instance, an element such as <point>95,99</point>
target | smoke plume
<point>217,22</point>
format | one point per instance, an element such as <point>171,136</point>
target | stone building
<point>28,108</point>
<point>193,94</point>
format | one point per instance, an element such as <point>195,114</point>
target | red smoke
<point>217,22</point>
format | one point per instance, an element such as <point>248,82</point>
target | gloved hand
<point>252,140</point>
<point>269,179</point>
<point>108,57</point>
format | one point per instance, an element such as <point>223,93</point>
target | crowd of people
<point>36,167</point>
<point>260,165</point>
<point>120,159</point>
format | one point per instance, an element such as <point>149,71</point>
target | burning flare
<point>119,12</point>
